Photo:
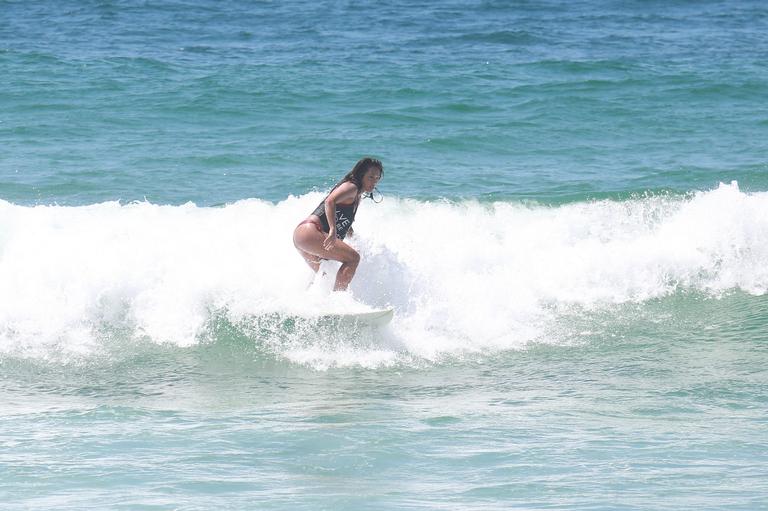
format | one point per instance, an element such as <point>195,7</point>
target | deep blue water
<point>218,101</point>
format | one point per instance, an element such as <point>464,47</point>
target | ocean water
<point>573,236</point>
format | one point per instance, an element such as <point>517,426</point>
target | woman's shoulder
<point>348,186</point>
<point>345,191</point>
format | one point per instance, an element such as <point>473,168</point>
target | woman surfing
<point>316,238</point>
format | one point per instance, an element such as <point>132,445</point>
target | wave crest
<point>462,276</point>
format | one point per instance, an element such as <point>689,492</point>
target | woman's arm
<point>344,193</point>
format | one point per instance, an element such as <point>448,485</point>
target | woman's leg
<point>312,260</point>
<point>309,242</point>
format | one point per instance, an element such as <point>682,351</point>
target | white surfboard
<point>376,317</point>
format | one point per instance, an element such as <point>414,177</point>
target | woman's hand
<point>330,240</point>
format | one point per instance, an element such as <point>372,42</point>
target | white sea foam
<point>463,277</point>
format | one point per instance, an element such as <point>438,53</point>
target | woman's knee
<point>352,258</point>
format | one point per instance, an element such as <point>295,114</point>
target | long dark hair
<point>355,175</point>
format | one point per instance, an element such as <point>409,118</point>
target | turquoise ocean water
<point>574,237</point>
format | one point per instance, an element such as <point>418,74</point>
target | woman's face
<point>371,179</point>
